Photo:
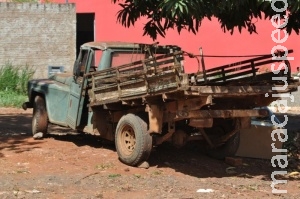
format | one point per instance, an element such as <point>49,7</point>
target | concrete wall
<point>39,35</point>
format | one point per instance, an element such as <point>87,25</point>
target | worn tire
<point>40,117</point>
<point>226,150</point>
<point>229,148</point>
<point>133,142</point>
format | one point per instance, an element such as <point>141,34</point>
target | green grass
<point>105,166</point>
<point>24,1</point>
<point>114,175</point>
<point>13,84</point>
<point>11,99</point>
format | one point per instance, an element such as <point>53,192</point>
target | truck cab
<point>65,93</point>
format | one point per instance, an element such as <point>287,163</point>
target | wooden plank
<point>204,114</point>
<point>235,90</point>
<point>105,87</point>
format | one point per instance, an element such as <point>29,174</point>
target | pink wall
<point>210,37</point>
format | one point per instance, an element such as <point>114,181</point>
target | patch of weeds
<point>105,166</point>
<point>157,172</point>
<point>252,187</point>
<point>137,175</point>
<point>241,187</point>
<point>13,84</point>
<point>11,99</point>
<point>22,171</point>
<point>24,1</point>
<point>15,78</point>
<point>114,175</point>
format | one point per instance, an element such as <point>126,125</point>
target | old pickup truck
<point>139,96</point>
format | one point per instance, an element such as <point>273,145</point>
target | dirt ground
<point>81,166</point>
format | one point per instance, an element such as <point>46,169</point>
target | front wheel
<point>40,117</point>
<point>133,142</point>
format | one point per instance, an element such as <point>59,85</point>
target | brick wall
<point>39,35</point>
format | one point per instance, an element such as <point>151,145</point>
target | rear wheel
<point>40,117</point>
<point>133,142</point>
<point>230,147</point>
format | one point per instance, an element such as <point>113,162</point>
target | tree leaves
<point>188,14</point>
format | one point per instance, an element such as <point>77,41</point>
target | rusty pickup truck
<point>139,96</point>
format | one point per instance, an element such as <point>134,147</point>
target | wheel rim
<point>128,140</point>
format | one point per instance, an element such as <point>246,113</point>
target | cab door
<point>77,88</point>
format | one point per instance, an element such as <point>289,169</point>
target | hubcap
<point>127,141</point>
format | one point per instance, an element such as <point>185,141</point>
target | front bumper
<point>27,105</point>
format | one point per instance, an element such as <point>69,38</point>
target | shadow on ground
<point>81,139</point>
<point>14,130</point>
<point>191,160</point>
<point>15,125</point>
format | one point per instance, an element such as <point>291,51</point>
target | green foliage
<point>105,166</point>
<point>25,1</point>
<point>13,84</point>
<point>114,175</point>
<point>188,14</point>
<point>15,79</point>
<point>11,99</point>
<point>32,1</point>
<point>137,175</point>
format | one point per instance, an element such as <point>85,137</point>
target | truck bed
<point>163,76</point>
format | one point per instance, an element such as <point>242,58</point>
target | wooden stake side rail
<point>159,76</point>
<point>246,68</point>
<point>145,77</point>
<point>178,55</point>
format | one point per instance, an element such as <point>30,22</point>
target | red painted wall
<point>210,37</point>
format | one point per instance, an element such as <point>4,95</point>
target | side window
<point>120,58</point>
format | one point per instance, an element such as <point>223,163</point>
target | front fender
<point>56,96</point>
<point>34,88</point>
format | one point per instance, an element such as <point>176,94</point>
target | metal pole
<point>203,65</point>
